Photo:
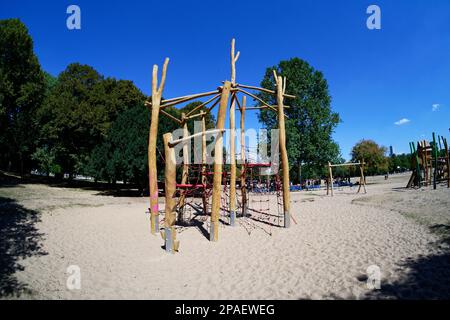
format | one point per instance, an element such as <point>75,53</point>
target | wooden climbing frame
<point>430,163</point>
<point>225,96</point>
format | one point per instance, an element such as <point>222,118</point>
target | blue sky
<point>376,77</point>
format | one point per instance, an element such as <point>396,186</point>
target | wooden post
<point>218,162</point>
<point>413,177</point>
<point>243,157</point>
<point>281,88</point>
<point>362,179</point>
<point>419,172</point>
<point>330,174</point>
<point>185,172</point>
<point>169,234</point>
<point>232,165</point>
<point>435,154</point>
<point>204,178</point>
<point>444,140</point>
<point>153,134</point>
<point>328,178</point>
<point>233,139</point>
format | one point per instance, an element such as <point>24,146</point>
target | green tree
<point>373,155</point>
<point>123,154</point>
<point>79,111</point>
<point>22,88</point>
<point>45,160</point>
<point>399,163</point>
<point>311,121</point>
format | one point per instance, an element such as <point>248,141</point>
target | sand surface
<point>45,229</point>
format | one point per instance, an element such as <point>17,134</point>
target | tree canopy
<point>22,88</point>
<point>311,120</point>
<point>78,112</point>
<point>373,155</point>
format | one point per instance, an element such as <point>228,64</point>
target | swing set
<point>362,179</point>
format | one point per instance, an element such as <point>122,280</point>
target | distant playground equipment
<point>330,183</point>
<point>430,163</point>
<point>202,180</point>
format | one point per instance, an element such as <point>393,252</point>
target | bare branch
<point>155,80</point>
<point>237,56</point>
<point>163,76</point>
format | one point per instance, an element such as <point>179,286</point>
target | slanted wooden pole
<point>263,90</point>
<point>169,234</point>
<point>233,138</point>
<point>185,172</point>
<point>175,101</point>
<point>362,179</point>
<point>153,134</point>
<point>243,159</point>
<point>281,88</point>
<point>218,163</point>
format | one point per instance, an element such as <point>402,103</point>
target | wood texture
<point>263,90</point>
<point>186,161</point>
<point>243,158</point>
<point>218,162</point>
<point>281,86</point>
<point>153,134</point>
<point>170,182</point>
<point>330,173</point>
<point>233,134</point>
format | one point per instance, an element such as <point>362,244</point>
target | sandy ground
<point>45,229</point>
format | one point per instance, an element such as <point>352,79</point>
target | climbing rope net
<point>259,200</point>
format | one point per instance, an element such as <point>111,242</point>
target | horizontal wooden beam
<point>196,95</point>
<point>263,90</point>
<point>174,101</point>
<point>263,107</point>
<point>347,164</point>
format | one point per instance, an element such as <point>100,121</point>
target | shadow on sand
<point>19,239</point>
<point>428,276</point>
<point>104,189</point>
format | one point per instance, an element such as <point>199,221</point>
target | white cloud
<point>402,122</point>
<point>435,106</point>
